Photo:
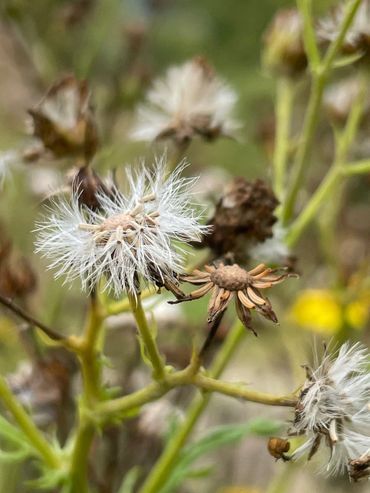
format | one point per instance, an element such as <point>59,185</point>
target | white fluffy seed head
<point>328,28</point>
<point>334,405</point>
<point>190,100</point>
<point>134,234</point>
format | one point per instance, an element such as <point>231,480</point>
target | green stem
<point>319,78</point>
<point>325,188</point>
<point>241,392</point>
<point>146,336</point>
<point>79,466</point>
<point>124,305</point>
<point>284,107</point>
<point>356,168</point>
<point>199,403</point>
<point>25,423</point>
<point>313,55</point>
<point>89,353</point>
<point>89,350</point>
<point>334,175</point>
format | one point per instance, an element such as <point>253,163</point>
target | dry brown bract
<point>63,120</point>
<point>359,468</point>
<point>229,281</point>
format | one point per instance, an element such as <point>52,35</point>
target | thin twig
<point>52,334</point>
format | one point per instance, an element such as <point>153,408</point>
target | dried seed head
<point>63,120</point>
<point>17,278</point>
<point>340,98</point>
<point>232,281</point>
<point>283,44</point>
<point>333,405</point>
<point>231,277</point>
<point>189,101</point>
<point>245,213</point>
<point>357,38</point>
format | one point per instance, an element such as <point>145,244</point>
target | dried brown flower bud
<point>359,468</point>
<point>63,120</point>
<point>17,279</point>
<point>88,185</point>
<point>284,48</point>
<point>278,447</point>
<point>244,213</point>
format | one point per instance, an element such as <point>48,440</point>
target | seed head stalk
<point>320,75</point>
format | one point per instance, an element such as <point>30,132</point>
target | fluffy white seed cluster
<point>328,27</point>
<point>138,234</point>
<point>190,100</point>
<point>334,408</point>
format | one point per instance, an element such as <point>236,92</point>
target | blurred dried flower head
<point>44,389</point>
<point>340,97</point>
<point>334,406</point>
<point>357,38</point>
<point>63,120</point>
<point>245,213</point>
<point>128,236</point>
<point>283,44</point>
<point>360,468</point>
<point>191,100</point>
<point>17,278</point>
<point>229,281</point>
<point>88,186</point>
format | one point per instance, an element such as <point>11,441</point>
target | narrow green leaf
<point>130,480</point>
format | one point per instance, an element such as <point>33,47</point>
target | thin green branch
<point>356,168</point>
<point>199,403</point>
<point>319,78</point>
<point>310,43</point>
<point>284,106</point>
<point>334,176</point>
<point>147,337</point>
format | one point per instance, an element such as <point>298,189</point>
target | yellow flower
<point>357,313</point>
<point>317,310</point>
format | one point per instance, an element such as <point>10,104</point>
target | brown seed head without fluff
<point>231,277</point>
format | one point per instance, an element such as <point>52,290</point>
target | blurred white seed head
<point>340,97</point>
<point>272,250</point>
<point>132,235</point>
<point>333,408</point>
<point>189,101</point>
<point>358,34</point>
<point>7,160</point>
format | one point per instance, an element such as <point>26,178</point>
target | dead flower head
<point>63,120</point>
<point>333,408</point>
<point>244,213</point>
<point>357,38</point>
<point>232,281</point>
<point>284,48</point>
<point>191,100</point>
